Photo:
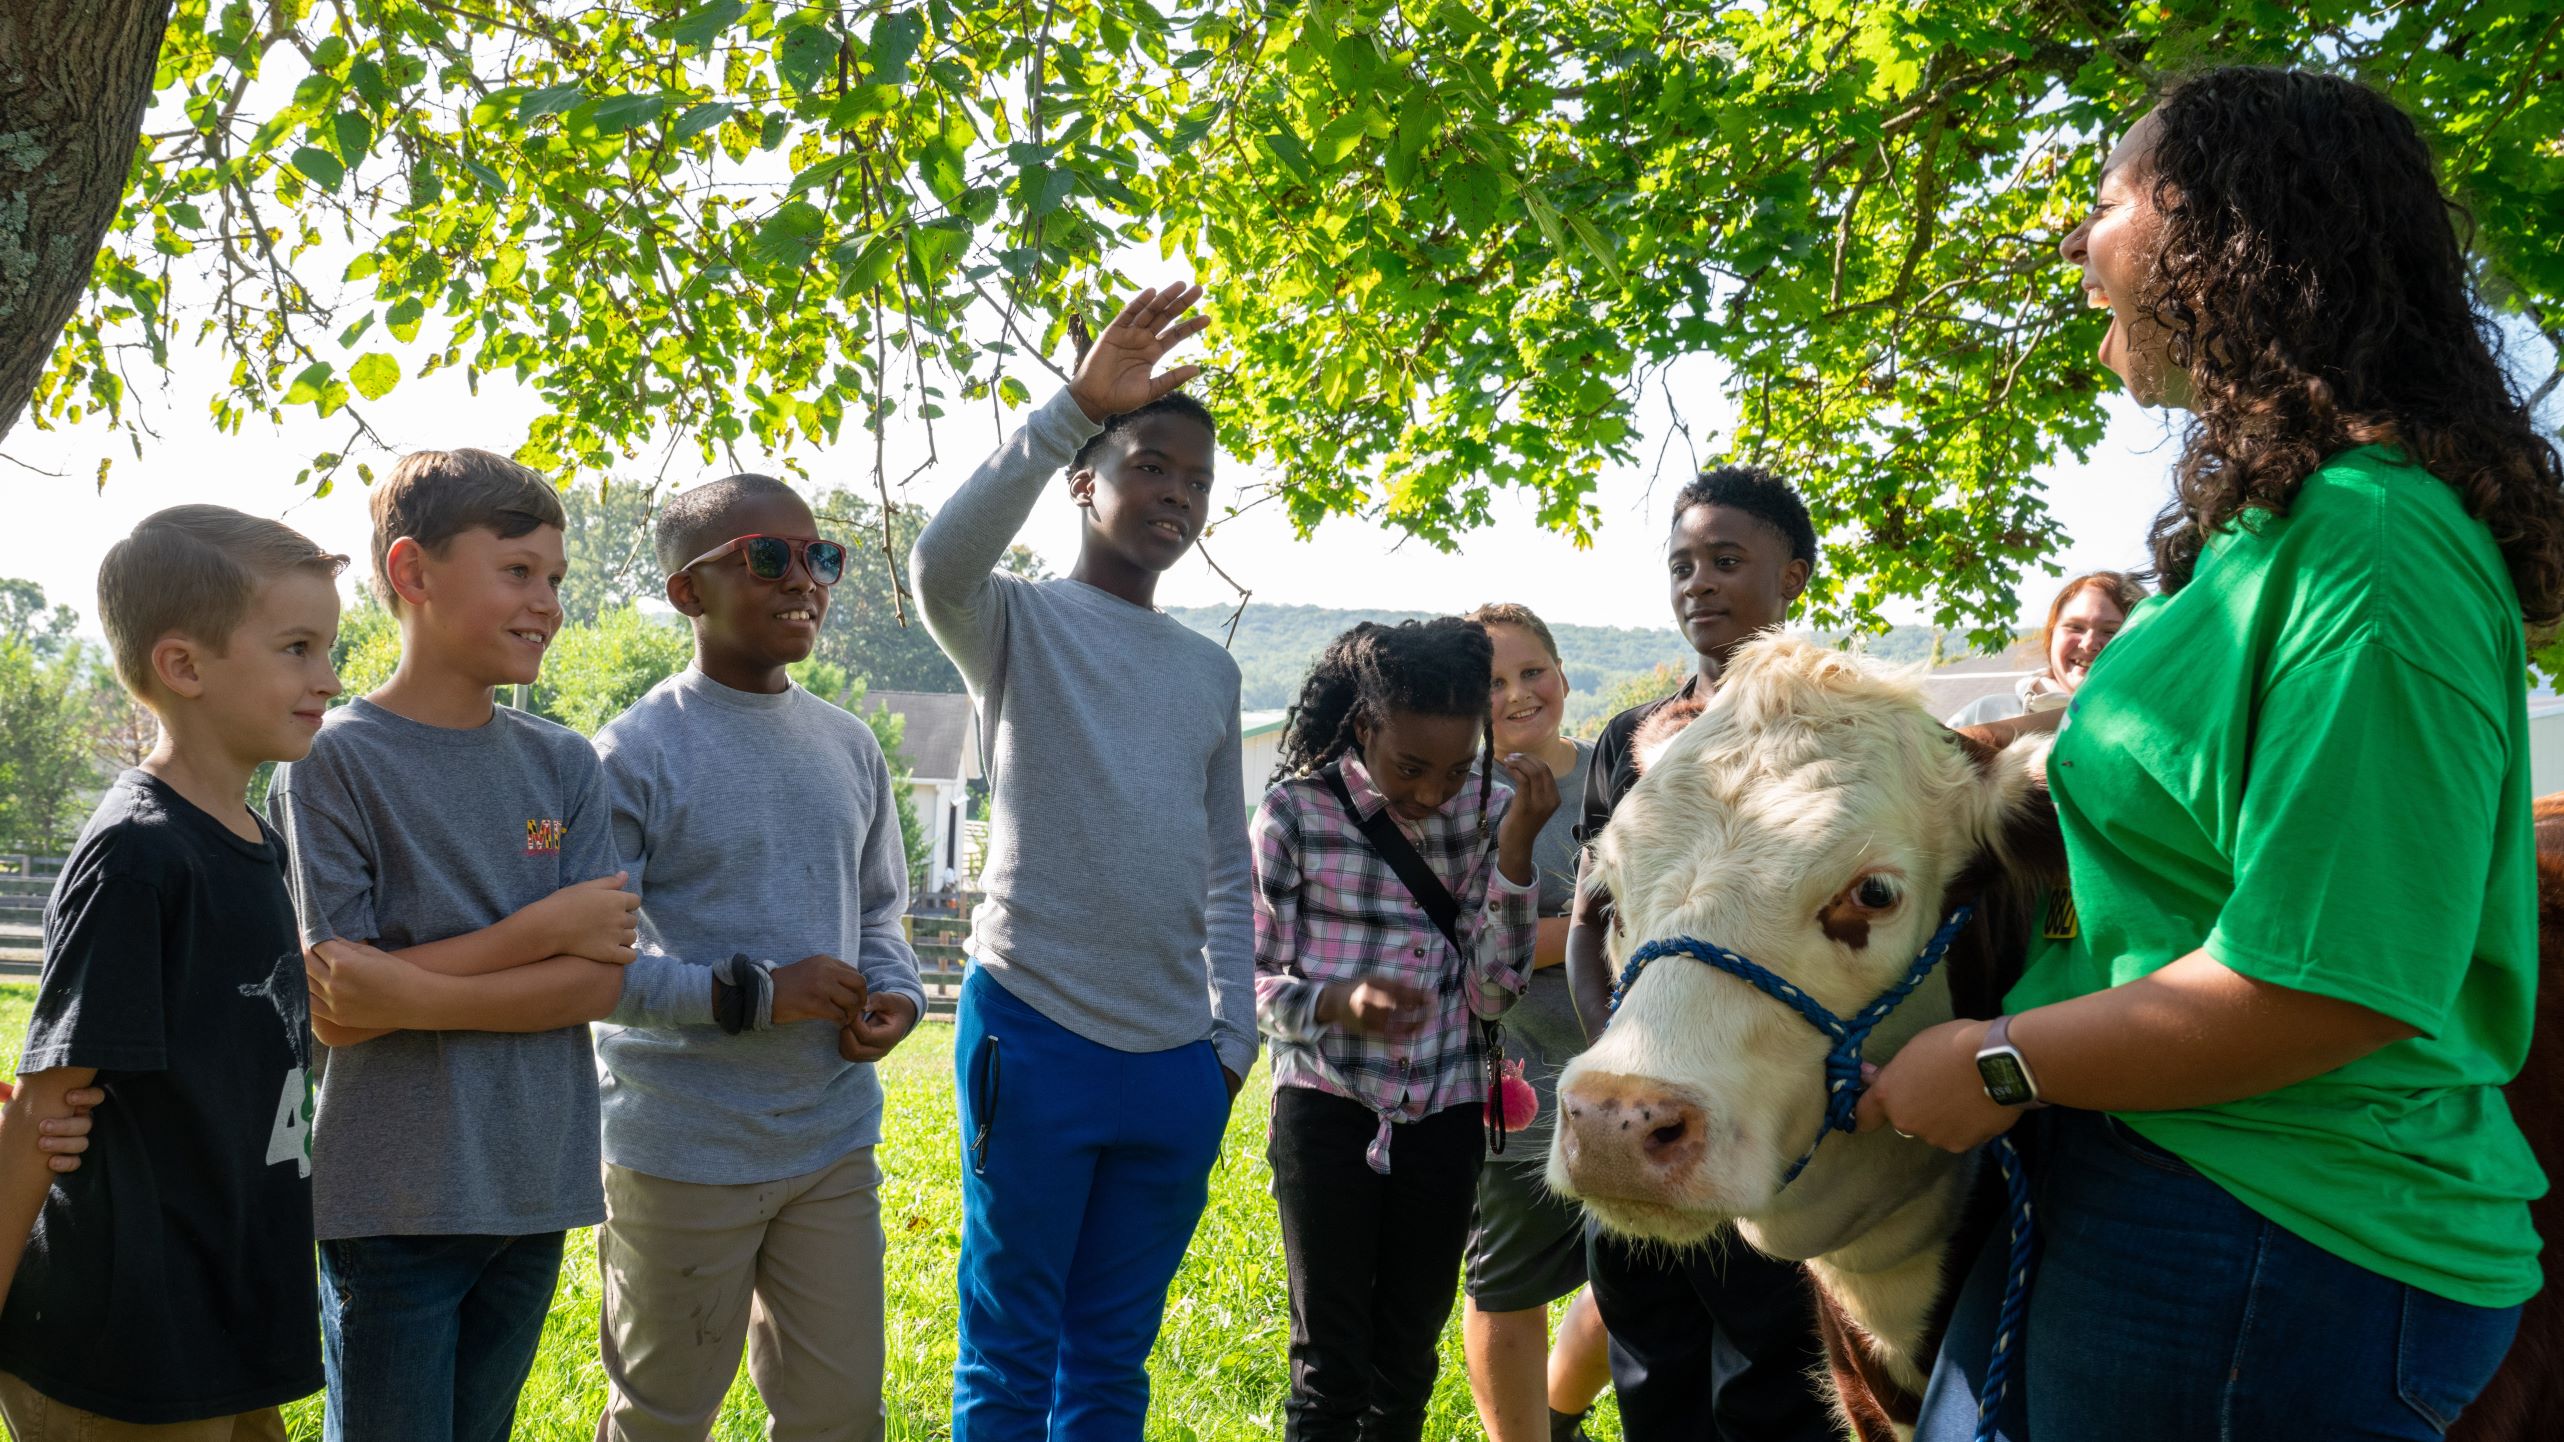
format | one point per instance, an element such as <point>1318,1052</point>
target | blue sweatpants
<point>1084,1171</point>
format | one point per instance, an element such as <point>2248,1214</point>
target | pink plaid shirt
<point>1328,909</point>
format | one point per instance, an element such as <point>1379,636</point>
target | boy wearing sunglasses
<point>1109,1014</point>
<point>759,824</point>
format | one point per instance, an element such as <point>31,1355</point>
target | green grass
<point>1219,1371</point>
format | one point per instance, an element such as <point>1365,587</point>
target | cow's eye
<point>1875,892</point>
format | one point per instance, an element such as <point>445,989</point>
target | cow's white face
<point>1812,819</point>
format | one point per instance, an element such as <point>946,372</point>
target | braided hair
<point>1441,667</point>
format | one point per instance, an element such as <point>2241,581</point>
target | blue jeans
<point>2163,1310</point>
<point>1084,1172</point>
<point>429,1339</point>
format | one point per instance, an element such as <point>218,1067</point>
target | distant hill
<point>1276,644</point>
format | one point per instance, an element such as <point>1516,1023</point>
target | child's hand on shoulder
<point>1374,1008</point>
<point>818,988</point>
<point>596,919</point>
<point>885,1023</point>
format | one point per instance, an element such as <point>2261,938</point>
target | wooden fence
<point>25,883</point>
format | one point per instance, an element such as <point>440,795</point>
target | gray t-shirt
<point>402,834</point>
<point>1542,1030</point>
<point>1117,868</point>
<point>763,824</point>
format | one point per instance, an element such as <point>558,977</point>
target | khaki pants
<point>34,1417</point>
<point>790,1267</point>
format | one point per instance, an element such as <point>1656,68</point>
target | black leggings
<point>1374,1261</point>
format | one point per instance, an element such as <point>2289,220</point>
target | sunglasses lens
<point>827,562</point>
<point>768,557</point>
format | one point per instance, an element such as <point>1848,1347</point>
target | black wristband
<point>760,1006</point>
<point>731,1006</point>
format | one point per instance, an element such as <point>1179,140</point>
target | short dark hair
<point>1758,493</point>
<point>433,496</point>
<point>695,521</point>
<point>1173,403</point>
<point>193,570</point>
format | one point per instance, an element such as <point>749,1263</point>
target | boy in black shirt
<point>1717,1342</point>
<point>170,1281</point>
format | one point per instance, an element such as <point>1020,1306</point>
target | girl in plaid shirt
<point>1376,1138</point>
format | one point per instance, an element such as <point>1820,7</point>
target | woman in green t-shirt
<point>2280,1195</point>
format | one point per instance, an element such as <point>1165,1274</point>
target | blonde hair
<point>193,571</point>
<point>1509,613</point>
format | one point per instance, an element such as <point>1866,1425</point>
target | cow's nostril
<point>1670,1134</point>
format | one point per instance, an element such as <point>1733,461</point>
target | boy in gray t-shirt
<point>453,874</point>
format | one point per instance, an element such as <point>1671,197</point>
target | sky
<point>54,528</point>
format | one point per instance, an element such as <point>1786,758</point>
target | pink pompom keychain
<point>1521,1104</point>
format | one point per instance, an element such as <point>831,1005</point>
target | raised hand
<point>1119,372</point>
<point>1535,798</point>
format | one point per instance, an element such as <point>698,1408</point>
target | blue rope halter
<point>1843,1085</point>
<point>1843,1088</point>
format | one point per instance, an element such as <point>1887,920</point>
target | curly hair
<point>1758,493</point>
<point>2313,283</point>
<point>1440,667</point>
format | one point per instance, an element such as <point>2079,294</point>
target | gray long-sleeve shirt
<point>763,824</point>
<point>1117,868</point>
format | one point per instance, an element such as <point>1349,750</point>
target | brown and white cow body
<point>1816,819</point>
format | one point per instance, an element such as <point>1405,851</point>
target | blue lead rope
<point>1843,1088</point>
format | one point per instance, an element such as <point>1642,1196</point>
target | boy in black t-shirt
<point>170,1281</point>
<point>1717,1341</point>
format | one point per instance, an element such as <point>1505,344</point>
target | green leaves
<point>374,375</point>
<point>322,167</point>
<point>1450,247</point>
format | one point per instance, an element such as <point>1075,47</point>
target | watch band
<point>2005,1072</point>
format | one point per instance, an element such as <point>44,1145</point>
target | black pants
<point>1374,1261</point>
<point>1717,1344</point>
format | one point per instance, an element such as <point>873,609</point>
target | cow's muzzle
<point>1634,1140</point>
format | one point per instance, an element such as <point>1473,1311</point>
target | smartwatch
<point>2005,1072</point>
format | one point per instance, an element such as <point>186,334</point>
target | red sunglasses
<point>769,557</point>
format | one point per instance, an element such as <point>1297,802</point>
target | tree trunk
<point>75,78</point>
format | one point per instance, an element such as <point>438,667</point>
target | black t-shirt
<point>170,1278</point>
<point>1614,766</point>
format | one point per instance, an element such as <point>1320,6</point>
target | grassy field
<point>1219,1370</point>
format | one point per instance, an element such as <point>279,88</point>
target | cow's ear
<point>2014,820</point>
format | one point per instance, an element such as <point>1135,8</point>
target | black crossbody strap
<point>1382,832</point>
<point>1443,909</point>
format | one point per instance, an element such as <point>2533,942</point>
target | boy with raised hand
<point>757,821</point>
<point>454,872</point>
<point>1109,1014</point>
<point>166,1290</point>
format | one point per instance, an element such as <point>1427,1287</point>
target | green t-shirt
<point>2313,761</point>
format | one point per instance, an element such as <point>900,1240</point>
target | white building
<point>941,746</point>
<point>1261,733</point>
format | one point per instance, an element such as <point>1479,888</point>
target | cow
<point>1817,820</point>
